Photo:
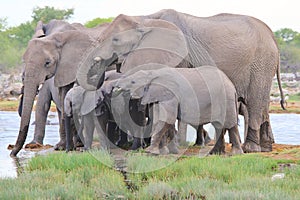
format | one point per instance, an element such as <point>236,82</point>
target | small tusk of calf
<point>40,86</point>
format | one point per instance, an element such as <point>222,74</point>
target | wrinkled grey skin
<point>191,97</point>
<point>243,47</point>
<point>57,55</point>
<point>46,94</point>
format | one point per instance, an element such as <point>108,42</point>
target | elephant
<point>243,47</point>
<point>48,92</point>
<point>83,106</point>
<point>195,96</point>
<point>55,55</point>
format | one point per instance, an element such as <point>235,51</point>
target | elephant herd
<point>145,72</point>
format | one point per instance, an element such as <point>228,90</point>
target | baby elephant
<point>195,96</point>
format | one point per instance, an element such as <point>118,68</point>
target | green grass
<point>295,97</point>
<point>67,176</point>
<point>238,177</point>
<point>91,176</point>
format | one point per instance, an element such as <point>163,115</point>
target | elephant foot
<point>266,137</point>
<point>137,143</point>
<point>164,150</point>
<point>236,151</point>
<point>266,148</point>
<point>217,152</point>
<point>266,144</point>
<point>79,143</point>
<point>152,150</point>
<point>34,145</point>
<point>251,147</point>
<point>173,149</point>
<point>61,145</point>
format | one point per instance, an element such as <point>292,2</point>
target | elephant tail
<point>282,101</point>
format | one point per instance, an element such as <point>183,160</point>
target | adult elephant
<point>57,55</point>
<point>48,92</point>
<point>241,46</point>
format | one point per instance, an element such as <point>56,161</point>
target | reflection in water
<point>286,130</point>
<point>18,165</point>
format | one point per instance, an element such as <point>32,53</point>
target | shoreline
<point>292,107</point>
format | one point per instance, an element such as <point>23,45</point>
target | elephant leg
<point>137,143</point>
<point>100,123</point>
<point>182,130</point>
<point>113,132</point>
<point>69,134</point>
<point>219,147</point>
<point>235,140</point>
<point>163,149</point>
<point>173,144</point>
<point>266,136</point>
<point>252,143</point>
<point>61,145</point>
<point>78,140</point>
<point>89,127</point>
<point>159,130</point>
<point>202,137</point>
<point>41,113</point>
<point>258,109</point>
<point>122,141</point>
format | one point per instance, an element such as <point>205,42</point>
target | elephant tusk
<point>97,59</point>
<point>40,87</point>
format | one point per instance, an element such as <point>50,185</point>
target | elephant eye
<point>115,40</point>
<point>133,82</point>
<point>47,63</point>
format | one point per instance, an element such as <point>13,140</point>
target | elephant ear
<point>89,102</point>
<point>72,45</point>
<point>39,32</point>
<point>162,43</point>
<point>156,93</point>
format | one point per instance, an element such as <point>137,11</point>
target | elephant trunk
<point>30,90</point>
<point>92,77</point>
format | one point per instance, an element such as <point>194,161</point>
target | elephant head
<point>148,85</point>
<point>43,30</point>
<point>132,42</point>
<point>55,55</point>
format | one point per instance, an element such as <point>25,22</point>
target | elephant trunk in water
<point>30,90</point>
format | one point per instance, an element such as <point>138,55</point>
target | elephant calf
<point>195,96</point>
<point>83,106</point>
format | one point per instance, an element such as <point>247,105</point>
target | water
<point>285,127</point>
<point>9,128</point>
<point>286,130</point>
